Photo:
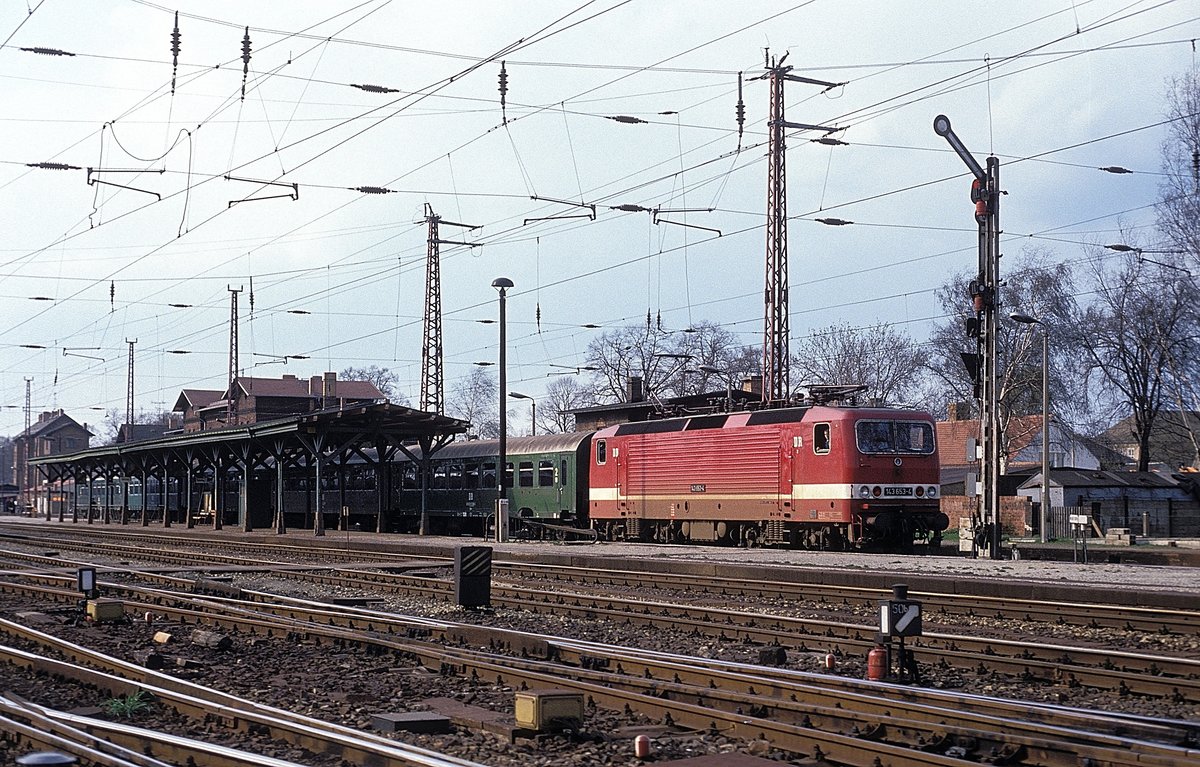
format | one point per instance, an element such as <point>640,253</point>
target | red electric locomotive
<point>817,477</point>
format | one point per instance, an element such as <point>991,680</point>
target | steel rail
<point>876,730</point>
<point>201,702</point>
<point>1161,676</point>
<point>134,745</point>
<point>1126,617</point>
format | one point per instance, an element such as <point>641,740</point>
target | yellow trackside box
<point>543,710</point>
<point>104,610</point>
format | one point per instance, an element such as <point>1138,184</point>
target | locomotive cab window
<point>601,451</point>
<point>821,439</point>
<point>894,437</point>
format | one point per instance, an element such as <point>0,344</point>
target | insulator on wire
<point>373,88</point>
<point>52,166</point>
<point>647,319</point>
<point>503,92</point>
<point>538,316</point>
<point>740,111</point>
<point>48,51</point>
<point>112,296</point>
<point>373,189</point>
<point>175,48</point>
<point>1196,166</point>
<point>245,60</point>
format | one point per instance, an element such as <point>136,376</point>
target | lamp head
<point>502,283</point>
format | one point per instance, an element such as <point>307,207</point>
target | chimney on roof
<point>752,384</point>
<point>329,390</point>
<point>633,389</point>
<point>289,377</point>
<point>958,411</point>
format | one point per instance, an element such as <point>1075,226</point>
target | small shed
<point>1150,504</point>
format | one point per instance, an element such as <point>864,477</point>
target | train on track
<point>816,477</point>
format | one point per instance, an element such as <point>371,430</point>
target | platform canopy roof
<point>395,424</point>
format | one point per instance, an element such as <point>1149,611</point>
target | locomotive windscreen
<point>894,437</point>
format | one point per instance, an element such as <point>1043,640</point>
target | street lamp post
<point>502,284</point>
<point>1045,506</point>
<point>532,410</point>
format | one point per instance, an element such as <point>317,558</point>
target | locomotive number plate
<point>894,491</point>
<point>699,488</point>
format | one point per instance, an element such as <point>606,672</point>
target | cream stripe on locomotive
<point>805,492</point>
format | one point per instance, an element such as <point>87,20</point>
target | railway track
<point>1154,675</point>
<point>850,722</point>
<point>1091,615</point>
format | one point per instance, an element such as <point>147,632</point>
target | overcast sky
<point>93,257</point>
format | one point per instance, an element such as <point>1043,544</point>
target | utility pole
<point>984,325</point>
<point>433,388</point>
<point>28,446</point>
<point>775,331</point>
<point>233,351</point>
<point>129,391</point>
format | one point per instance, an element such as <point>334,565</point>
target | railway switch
<point>547,710</point>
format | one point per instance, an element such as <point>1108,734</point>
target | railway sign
<point>900,619</point>
<point>900,616</point>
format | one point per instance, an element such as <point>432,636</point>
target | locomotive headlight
<point>932,491</point>
<point>920,492</point>
<point>864,492</point>
<point>877,491</point>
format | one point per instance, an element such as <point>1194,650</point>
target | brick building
<point>54,433</point>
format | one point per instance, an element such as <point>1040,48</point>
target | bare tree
<point>888,362</point>
<point>669,362</point>
<point>1179,192</point>
<point>1141,327</point>
<point>563,395</point>
<point>114,419</point>
<point>385,380</point>
<point>1034,284</point>
<point>474,398</point>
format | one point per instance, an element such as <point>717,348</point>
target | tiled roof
<point>196,398</point>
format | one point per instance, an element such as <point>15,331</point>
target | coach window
<point>489,476</point>
<point>601,451</point>
<point>471,476</point>
<point>525,474</point>
<point>545,473</point>
<point>562,475</point>
<point>439,477</point>
<point>508,475</point>
<point>456,476</point>
<point>821,438</point>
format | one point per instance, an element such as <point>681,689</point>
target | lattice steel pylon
<point>129,389</point>
<point>233,352</point>
<point>776,387</point>
<point>433,388</point>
